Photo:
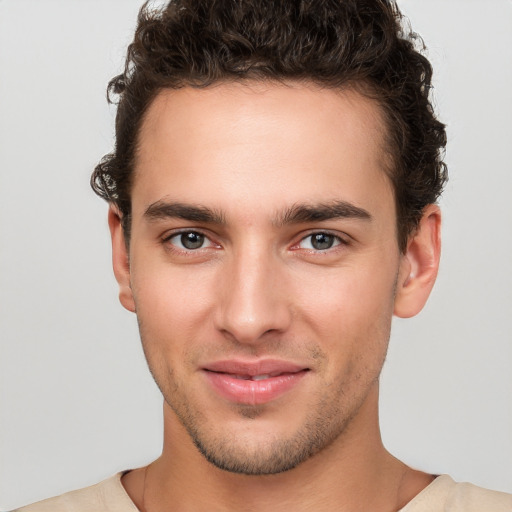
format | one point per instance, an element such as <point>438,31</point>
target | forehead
<point>260,144</point>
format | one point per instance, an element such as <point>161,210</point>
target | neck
<point>354,473</point>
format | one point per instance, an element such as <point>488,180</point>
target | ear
<point>419,266</point>
<point>120,259</point>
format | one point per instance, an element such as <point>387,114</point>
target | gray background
<point>76,401</point>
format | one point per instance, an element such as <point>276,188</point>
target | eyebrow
<point>303,213</point>
<point>298,214</point>
<point>195,213</point>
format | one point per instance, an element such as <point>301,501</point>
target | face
<point>263,266</point>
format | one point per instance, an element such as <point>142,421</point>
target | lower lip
<point>253,392</point>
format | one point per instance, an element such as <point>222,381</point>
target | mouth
<point>253,383</point>
<point>264,376</point>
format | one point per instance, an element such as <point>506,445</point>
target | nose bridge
<point>252,301</point>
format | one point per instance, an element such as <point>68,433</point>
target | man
<point>272,205</point>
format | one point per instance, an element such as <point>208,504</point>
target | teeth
<point>256,377</point>
<point>261,377</point>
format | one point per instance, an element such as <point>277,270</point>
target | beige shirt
<point>442,495</point>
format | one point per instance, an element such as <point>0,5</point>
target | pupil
<point>192,240</point>
<point>322,241</point>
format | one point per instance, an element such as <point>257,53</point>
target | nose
<point>252,301</point>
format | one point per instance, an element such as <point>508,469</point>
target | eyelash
<point>185,250</point>
<point>337,241</point>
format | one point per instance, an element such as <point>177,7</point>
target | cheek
<point>163,289</point>
<point>350,314</point>
<point>172,306</point>
<point>354,295</point>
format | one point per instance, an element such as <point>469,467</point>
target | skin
<point>257,288</point>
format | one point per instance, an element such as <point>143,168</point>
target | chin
<point>260,449</point>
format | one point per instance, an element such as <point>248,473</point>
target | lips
<point>264,376</point>
<point>253,383</point>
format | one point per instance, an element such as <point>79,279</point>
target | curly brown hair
<point>359,44</point>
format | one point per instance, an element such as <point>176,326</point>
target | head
<point>272,200</point>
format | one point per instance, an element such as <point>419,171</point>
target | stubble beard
<point>326,424</point>
<point>275,455</point>
<point>328,421</point>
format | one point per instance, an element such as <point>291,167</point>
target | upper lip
<point>252,368</point>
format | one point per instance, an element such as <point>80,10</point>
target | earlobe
<point>419,266</point>
<point>120,259</point>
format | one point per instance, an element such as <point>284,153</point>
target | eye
<point>320,241</point>
<point>189,240</point>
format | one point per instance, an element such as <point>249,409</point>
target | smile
<point>257,377</point>
<point>253,383</point>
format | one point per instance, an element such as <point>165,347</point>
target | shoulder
<point>469,497</point>
<point>106,496</point>
<point>446,495</point>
